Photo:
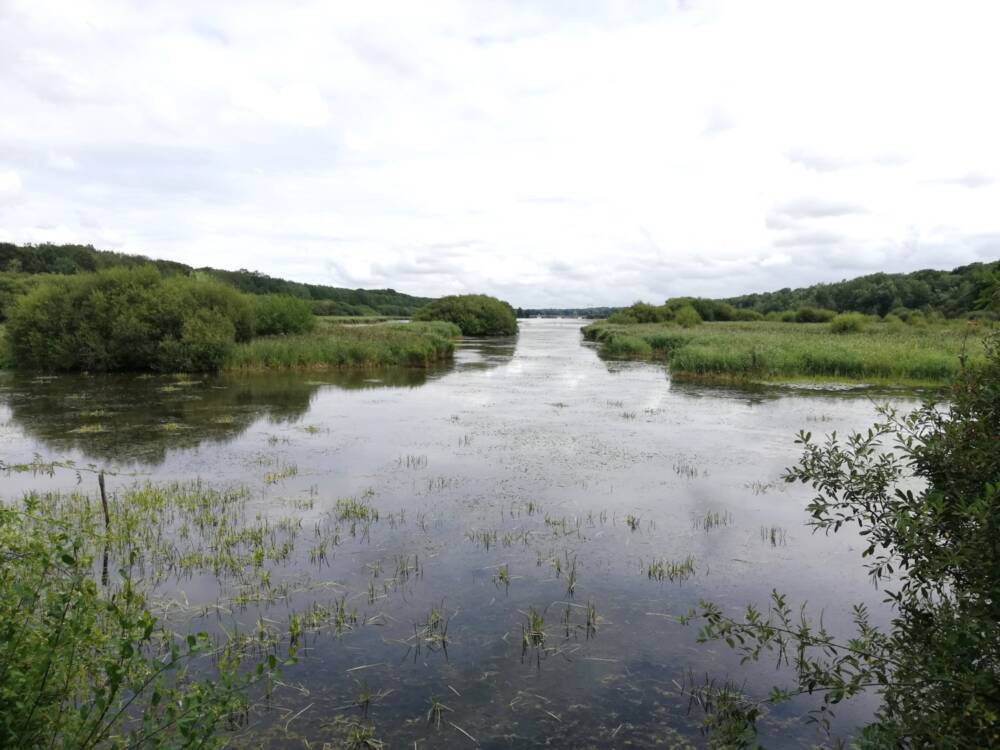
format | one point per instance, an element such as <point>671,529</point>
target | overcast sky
<point>553,153</point>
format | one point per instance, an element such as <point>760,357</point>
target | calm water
<point>524,452</point>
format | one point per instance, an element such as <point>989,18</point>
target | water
<point>524,452</point>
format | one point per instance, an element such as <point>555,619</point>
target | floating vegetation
<point>502,578</point>
<point>773,534</point>
<point>440,483</point>
<point>591,624</point>
<point>670,570</point>
<point>571,575</point>
<point>284,472</point>
<point>431,634</point>
<point>436,712</point>
<point>362,737</point>
<point>686,469</point>
<point>714,519</point>
<point>410,461</point>
<point>533,631</point>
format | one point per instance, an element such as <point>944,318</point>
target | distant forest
<point>962,291</point>
<point>20,265</point>
<point>951,293</point>
<point>565,312</point>
<point>967,290</point>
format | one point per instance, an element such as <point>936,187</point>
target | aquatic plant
<point>670,570</point>
<point>766,351</point>
<point>403,344</point>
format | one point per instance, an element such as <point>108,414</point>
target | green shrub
<point>91,666</point>
<point>686,316</point>
<point>126,320</point>
<point>746,314</point>
<point>474,314</point>
<point>921,490</point>
<point>848,323</point>
<point>623,347</point>
<point>813,315</point>
<point>282,314</point>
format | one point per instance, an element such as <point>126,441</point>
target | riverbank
<point>767,352</point>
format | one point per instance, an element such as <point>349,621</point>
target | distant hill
<point>952,293</point>
<point>17,261</point>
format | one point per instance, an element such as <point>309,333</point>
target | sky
<point>555,153</point>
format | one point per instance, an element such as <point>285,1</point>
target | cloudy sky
<point>556,153</point>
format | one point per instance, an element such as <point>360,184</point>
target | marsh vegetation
<point>850,348</point>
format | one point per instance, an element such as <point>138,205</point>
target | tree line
<point>20,264</point>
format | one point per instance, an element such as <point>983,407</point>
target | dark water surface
<point>525,452</point>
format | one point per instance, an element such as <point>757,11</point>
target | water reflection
<point>138,418</point>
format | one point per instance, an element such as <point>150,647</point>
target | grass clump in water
<point>775,351</point>
<point>337,346</point>
<point>670,570</point>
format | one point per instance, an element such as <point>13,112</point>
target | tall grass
<point>406,344</point>
<point>771,351</point>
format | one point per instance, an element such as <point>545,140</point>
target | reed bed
<point>771,351</point>
<point>335,346</point>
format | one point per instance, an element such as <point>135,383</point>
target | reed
<point>878,352</point>
<point>340,346</point>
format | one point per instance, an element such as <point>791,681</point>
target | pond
<point>529,478</point>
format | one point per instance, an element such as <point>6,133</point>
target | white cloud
<point>10,184</point>
<point>584,153</point>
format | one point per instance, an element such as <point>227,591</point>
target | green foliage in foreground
<point>400,344</point>
<point>127,319</point>
<point>764,351</point>
<point>84,662</point>
<point>934,552</point>
<point>475,314</point>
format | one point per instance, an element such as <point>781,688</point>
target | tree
<point>934,551</point>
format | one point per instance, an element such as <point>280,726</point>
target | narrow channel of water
<point>529,453</point>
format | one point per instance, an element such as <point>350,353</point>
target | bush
<point>747,314</point>
<point>848,323</point>
<point>623,347</point>
<point>922,491</point>
<point>813,315</point>
<point>687,316</point>
<point>282,314</point>
<point>126,320</point>
<point>474,314</point>
<point>91,666</point>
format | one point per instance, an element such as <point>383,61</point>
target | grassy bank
<point>770,352</point>
<point>330,346</point>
